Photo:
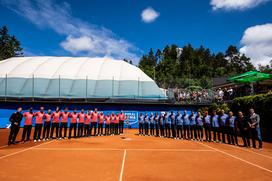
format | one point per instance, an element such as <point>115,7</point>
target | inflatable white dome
<point>74,77</point>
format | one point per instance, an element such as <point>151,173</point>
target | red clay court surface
<point>133,158</point>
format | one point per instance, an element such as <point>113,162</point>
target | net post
<point>6,86</point>
<point>33,88</point>
<point>86,96</point>
<point>112,91</point>
<point>59,88</point>
<point>138,88</point>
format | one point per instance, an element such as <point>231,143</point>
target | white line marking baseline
<point>123,165</point>
<point>233,156</point>
<point>116,149</point>
<point>20,151</point>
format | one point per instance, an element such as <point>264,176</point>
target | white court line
<point>79,149</point>
<point>3,146</point>
<point>185,150</point>
<point>113,149</point>
<point>246,150</point>
<point>255,165</point>
<point>17,152</point>
<point>123,165</point>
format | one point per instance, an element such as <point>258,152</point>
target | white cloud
<point>83,43</point>
<point>149,15</point>
<point>235,4</point>
<point>257,43</point>
<point>82,38</point>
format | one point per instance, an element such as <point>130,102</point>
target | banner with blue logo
<point>131,119</point>
<point>131,111</point>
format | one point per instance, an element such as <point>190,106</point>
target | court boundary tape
<point>123,165</point>
<point>23,150</point>
<point>236,157</point>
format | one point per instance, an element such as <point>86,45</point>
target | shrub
<point>262,104</point>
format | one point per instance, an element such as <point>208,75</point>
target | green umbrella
<point>250,77</point>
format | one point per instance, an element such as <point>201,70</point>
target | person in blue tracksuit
<point>157,123</point>
<point>141,124</point>
<point>152,124</point>
<point>146,125</point>
<point>186,125</point>
<point>161,122</point>
<point>199,126</point>
<point>215,127</point>
<point>179,125</point>
<point>167,124</point>
<point>231,122</point>
<point>207,126</point>
<point>192,125</point>
<point>222,123</point>
<point>173,124</point>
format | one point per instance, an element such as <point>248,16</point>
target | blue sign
<point>131,119</point>
<point>131,111</point>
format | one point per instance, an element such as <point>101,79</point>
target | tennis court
<point>132,157</point>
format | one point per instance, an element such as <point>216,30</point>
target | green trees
<point>238,63</point>
<point>148,63</point>
<point>188,66</point>
<point>266,68</point>
<point>9,45</point>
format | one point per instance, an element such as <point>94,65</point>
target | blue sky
<point>129,28</point>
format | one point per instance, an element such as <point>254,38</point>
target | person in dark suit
<point>243,127</point>
<point>15,120</point>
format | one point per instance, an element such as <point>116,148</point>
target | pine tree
<point>9,45</point>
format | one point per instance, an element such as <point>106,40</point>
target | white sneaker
<point>39,140</point>
<point>35,141</point>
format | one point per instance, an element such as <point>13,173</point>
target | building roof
<point>219,81</point>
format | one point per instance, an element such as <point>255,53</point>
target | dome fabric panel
<point>74,77</point>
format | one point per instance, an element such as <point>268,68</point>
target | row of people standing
<point>221,128</point>
<point>49,125</point>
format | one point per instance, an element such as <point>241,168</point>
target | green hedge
<point>216,107</point>
<point>262,103</point>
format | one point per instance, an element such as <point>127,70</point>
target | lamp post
<point>154,73</point>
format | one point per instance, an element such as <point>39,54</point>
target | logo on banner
<point>132,118</point>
